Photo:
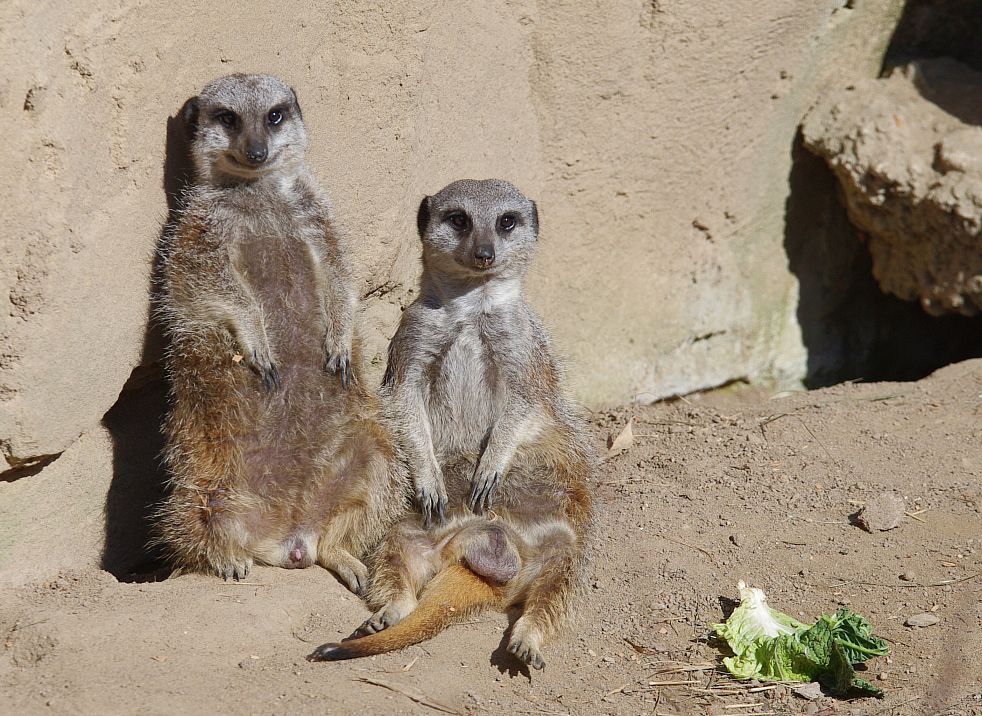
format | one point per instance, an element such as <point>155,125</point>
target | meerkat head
<point>474,228</point>
<point>245,127</point>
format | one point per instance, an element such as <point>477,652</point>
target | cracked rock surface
<point>907,151</point>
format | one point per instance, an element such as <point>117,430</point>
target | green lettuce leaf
<point>772,646</point>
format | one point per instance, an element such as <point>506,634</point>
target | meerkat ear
<point>535,219</point>
<point>423,216</point>
<point>296,104</point>
<point>189,113</point>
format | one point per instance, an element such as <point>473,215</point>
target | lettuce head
<point>772,646</point>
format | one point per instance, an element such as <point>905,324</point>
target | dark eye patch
<point>458,220</point>
<point>226,117</point>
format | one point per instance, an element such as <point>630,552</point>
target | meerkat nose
<point>484,255</point>
<point>256,153</point>
<point>296,555</point>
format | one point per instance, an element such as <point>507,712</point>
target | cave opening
<point>852,329</point>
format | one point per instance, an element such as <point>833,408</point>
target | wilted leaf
<point>615,446</point>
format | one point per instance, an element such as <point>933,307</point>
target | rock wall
<point>654,134</point>
<point>907,151</point>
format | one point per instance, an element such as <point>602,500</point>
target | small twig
<point>245,584</point>
<point>615,691</point>
<point>686,544</point>
<point>674,683</point>
<point>913,516</point>
<point>944,583</point>
<point>771,419</point>
<point>410,693</point>
<point>300,638</point>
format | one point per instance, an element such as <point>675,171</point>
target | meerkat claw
<point>482,492</point>
<point>269,374</point>
<point>528,655</point>
<point>339,365</point>
<point>433,506</point>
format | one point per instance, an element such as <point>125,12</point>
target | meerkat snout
<point>484,256</point>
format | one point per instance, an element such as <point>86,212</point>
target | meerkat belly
<point>281,449</point>
<point>279,271</point>
<point>461,397</point>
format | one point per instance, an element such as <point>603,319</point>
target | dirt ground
<point>714,489</point>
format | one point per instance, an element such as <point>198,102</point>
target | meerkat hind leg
<point>546,603</point>
<point>349,570</point>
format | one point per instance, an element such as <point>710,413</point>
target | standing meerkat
<point>485,425</point>
<point>275,449</point>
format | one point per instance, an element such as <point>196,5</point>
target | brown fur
<point>478,392</point>
<point>272,458</point>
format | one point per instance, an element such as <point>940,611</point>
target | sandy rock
<point>883,512</point>
<point>924,619</point>
<point>908,152</point>
<point>810,691</point>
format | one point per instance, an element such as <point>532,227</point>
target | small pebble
<point>908,576</point>
<point>883,676</point>
<point>925,619</point>
<point>884,512</point>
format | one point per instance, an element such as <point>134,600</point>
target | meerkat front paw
<point>431,496</point>
<point>483,487</point>
<point>261,361</point>
<point>338,362</point>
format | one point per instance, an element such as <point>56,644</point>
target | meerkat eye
<point>226,118</point>
<point>507,222</point>
<point>459,221</point>
<point>275,116</point>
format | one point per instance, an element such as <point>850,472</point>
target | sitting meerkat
<point>501,463</point>
<point>275,450</point>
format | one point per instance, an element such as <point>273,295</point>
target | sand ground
<point>714,489</point>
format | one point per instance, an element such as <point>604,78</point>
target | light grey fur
<point>464,364</point>
<point>239,194</point>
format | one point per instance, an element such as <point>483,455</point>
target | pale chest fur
<point>465,387</point>
<point>462,394</point>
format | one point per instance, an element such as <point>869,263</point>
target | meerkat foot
<point>391,613</point>
<point>236,569</point>
<point>483,488</point>
<point>525,644</point>
<point>339,363</point>
<point>349,570</point>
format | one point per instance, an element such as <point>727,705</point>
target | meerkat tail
<point>451,596</point>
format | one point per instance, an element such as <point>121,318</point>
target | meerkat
<point>502,467</point>
<point>276,451</point>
